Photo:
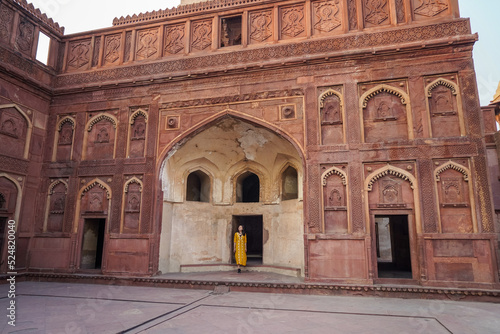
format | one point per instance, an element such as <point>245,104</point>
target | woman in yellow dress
<point>240,247</point>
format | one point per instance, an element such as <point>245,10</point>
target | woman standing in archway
<point>240,247</point>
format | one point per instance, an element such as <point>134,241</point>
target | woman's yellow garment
<point>240,245</point>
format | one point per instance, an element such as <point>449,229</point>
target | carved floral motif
<point>400,11</point>
<point>112,48</point>
<point>202,35</point>
<point>147,43</point>
<point>292,21</point>
<point>24,40</point>
<point>174,39</point>
<point>376,11</point>
<point>79,54</point>
<point>6,16</point>
<point>260,25</point>
<point>431,8</point>
<point>353,14</point>
<point>327,14</point>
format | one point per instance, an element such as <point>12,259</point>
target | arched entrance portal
<point>243,168</point>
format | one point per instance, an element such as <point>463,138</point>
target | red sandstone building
<point>346,135</point>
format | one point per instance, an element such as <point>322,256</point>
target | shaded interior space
<point>248,188</point>
<point>253,226</point>
<point>290,185</point>
<point>230,31</point>
<point>393,247</point>
<point>198,187</point>
<point>3,224</point>
<point>92,243</point>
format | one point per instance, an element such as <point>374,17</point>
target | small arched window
<point>198,187</point>
<point>248,188</point>
<point>289,184</point>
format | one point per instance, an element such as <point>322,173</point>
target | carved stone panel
<point>425,9</point>
<point>65,142</point>
<point>376,13</point>
<point>292,22</point>
<point>6,17</point>
<point>78,55</point>
<point>95,201</point>
<point>385,118</point>
<point>97,49</point>
<point>335,203</point>
<point>390,193</point>
<point>112,46</point>
<point>147,44</point>
<point>137,137</point>
<point>331,115</point>
<point>174,39</point>
<point>101,140</point>
<point>352,14</point>
<point>444,111</point>
<point>25,36</point>
<point>57,207</point>
<point>128,46</point>
<point>8,196</point>
<point>400,11</point>
<point>132,208</point>
<point>261,28</point>
<point>327,16</point>
<point>454,201</point>
<point>13,131</point>
<point>201,35</point>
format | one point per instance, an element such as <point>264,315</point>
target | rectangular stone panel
<point>455,272</point>
<point>453,248</point>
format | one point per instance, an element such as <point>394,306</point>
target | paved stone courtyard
<point>58,308</point>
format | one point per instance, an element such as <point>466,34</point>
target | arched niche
<point>289,184</point>
<point>11,191</point>
<point>456,205</point>
<point>331,112</point>
<point>131,206</point>
<point>137,134</point>
<point>385,115</point>
<point>444,107</point>
<point>63,139</point>
<point>56,206</point>
<point>335,201</point>
<point>198,186</point>
<point>15,131</point>
<point>247,188</point>
<point>100,137</point>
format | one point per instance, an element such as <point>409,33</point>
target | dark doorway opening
<point>393,247</point>
<point>254,229</point>
<point>3,226</point>
<point>92,243</point>
<point>230,31</point>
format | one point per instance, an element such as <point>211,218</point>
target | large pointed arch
<point>28,123</point>
<point>89,185</point>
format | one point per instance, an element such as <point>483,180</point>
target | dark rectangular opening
<point>254,228</point>
<point>92,243</point>
<point>393,247</point>
<point>230,31</point>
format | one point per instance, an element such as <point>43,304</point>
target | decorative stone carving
<point>430,8</point>
<point>288,112</point>
<point>376,12</point>
<point>112,45</point>
<point>391,195</point>
<point>174,39</point>
<point>443,108</point>
<point>101,137</point>
<point>97,49</point>
<point>95,201</point>
<point>138,127</point>
<point>13,131</point>
<point>25,36</point>
<point>201,35</point>
<point>6,16</point>
<point>331,108</point>
<point>261,25</point>
<point>66,134</point>
<point>328,15</point>
<point>147,44</point>
<point>79,54</point>
<point>172,122</point>
<point>400,11</point>
<point>335,213</point>
<point>352,14</point>
<point>132,206</point>
<point>128,46</point>
<point>292,21</point>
